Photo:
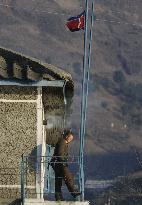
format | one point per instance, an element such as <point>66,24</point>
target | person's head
<point>68,135</point>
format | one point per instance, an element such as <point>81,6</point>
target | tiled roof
<point>16,66</point>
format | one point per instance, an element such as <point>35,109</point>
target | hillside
<point>37,29</point>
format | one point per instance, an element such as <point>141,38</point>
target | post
<point>83,100</point>
<point>89,61</point>
<point>22,181</point>
<point>39,143</point>
<point>43,154</point>
<point>65,105</point>
<point>86,71</point>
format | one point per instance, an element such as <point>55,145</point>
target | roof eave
<point>41,83</point>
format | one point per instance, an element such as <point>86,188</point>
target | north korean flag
<point>76,23</point>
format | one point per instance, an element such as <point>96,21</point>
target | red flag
<point>76,23</point>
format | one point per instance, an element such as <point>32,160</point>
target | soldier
<point>60,166</point>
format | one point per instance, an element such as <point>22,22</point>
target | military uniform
<point>60,166</point>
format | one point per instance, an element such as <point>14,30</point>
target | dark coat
<point>60,155</point>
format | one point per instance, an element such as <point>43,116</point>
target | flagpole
<point>89,64</point>
<point>83,102</point>
<point>85,85</point>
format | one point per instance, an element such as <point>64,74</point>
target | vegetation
<point>104,104</point>
<point>77,68</point>
<point>131,95</point>
<point>94,83</point>
<point>118,76</point>
<point>131,108</point>
<point>124,192</point>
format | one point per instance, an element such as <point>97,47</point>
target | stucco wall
<point>53,102</point>
<point>18,93</point>
<point>18,127</point>
<point>18,131</point>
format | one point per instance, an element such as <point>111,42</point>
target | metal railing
<point>38,177</point>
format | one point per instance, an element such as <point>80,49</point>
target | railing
<point>38,178</point>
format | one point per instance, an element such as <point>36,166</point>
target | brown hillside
<point>37,29</point>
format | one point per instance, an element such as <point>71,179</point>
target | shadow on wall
<point>16,202</point>
<point>33,162</point>
<point>110,165</point>
<point>32,158</point>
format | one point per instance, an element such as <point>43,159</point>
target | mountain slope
<point>37,28</point>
